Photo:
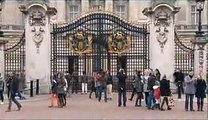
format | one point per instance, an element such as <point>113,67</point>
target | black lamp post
<point>200,39</point>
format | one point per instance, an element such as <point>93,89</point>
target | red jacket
<point>157,93</point>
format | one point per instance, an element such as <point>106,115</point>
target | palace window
<point>73,9</point>
<point>120,7</point>
<point>97,4</point>
<point>194,15</point>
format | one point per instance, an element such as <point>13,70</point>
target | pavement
<point>81,107</point>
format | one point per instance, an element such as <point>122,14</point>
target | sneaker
<point>2,103</point>
<point>8,110</point>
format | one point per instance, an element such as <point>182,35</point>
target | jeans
<point>75,87</point>
<point>12,98</point>
<point>2,96</point>
<point>180,89</point>
<point>150,100</point>
<point>163,100</point>
<point>103,89</point>
<point>200,104</point>
<point>189,96</point>
<point>146,94</point>
<point>122,94</point>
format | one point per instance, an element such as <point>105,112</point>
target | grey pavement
<point>81,107</point>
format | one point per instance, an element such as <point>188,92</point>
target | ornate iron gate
<point>15,56</point>
<point>184,56</point>
<point>99,29</point>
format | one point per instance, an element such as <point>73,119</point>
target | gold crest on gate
<point>80,43</point>
<point>119,42</point>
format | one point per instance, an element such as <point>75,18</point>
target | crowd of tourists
<point>148,85</point>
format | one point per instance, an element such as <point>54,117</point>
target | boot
<point>202,106</point>
<point>198,106</point>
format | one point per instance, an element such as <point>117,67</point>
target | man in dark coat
<point>179,79</point>
<point>14,86</point>
<point>121,87</point>
<point>164,92</point>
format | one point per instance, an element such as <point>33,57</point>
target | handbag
<point>171,101</point>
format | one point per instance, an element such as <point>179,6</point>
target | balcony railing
<point>190,27</point>
<point>12,27</point>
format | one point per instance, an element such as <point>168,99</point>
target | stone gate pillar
<point>161,17</point>
<point>37,35</point>
<point>2,67</point>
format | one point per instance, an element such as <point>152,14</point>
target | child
<point>156,89</point>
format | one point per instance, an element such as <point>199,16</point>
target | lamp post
<point>200,39</point>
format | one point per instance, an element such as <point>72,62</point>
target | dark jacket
<point>84,79</point>
<point>109,79</point>
<point>200,89</point>
<point>54,85</point>
<point>103,81</point>
<point>138,84</point>
<point>121,80</point>
<point>179,77</point>
<point>165,88</point>
<point>151,82</point>
<point>14,84</point>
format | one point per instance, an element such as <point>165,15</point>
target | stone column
<point>61,8</point>
<point>109,5</point>
<point>162,38</point>
<point>85,6</point>
<point>200,69</point>
<point>2,60</point>
<point>38,41</point>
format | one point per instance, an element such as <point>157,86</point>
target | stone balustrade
<point>11,27</point>
<point>190,27</point>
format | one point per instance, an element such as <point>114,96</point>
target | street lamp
<point>200,39</point>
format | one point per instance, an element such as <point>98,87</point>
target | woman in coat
<point>200,92</point>
<point>139,88</point>
<point>164,92</point>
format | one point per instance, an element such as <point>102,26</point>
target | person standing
<point>84,83</point>
<point>139,88</point>
<point>200,92</point>
<point>151,82</point>
<point>60,89</point>
<point>134,85</point>
<point>68,77</point>
<point>75,82</point>
<point>103,86</point>
<point>93,88</point>
<point>157,74</point>
<point>179,80</point>
<point>54,95</point>
<point>22,85</point>
<point>1,89</point>
<point>164,92</point>
<point>189,90</point>
<point>145,80</point>
<point>109,85</point>
<point>121,87</point>
<point>14,89</point>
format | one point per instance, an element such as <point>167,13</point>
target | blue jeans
<point>102,89</point>
<point>150,103</point>
<point>191,96</point>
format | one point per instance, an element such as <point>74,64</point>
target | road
<point>81,107</point>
